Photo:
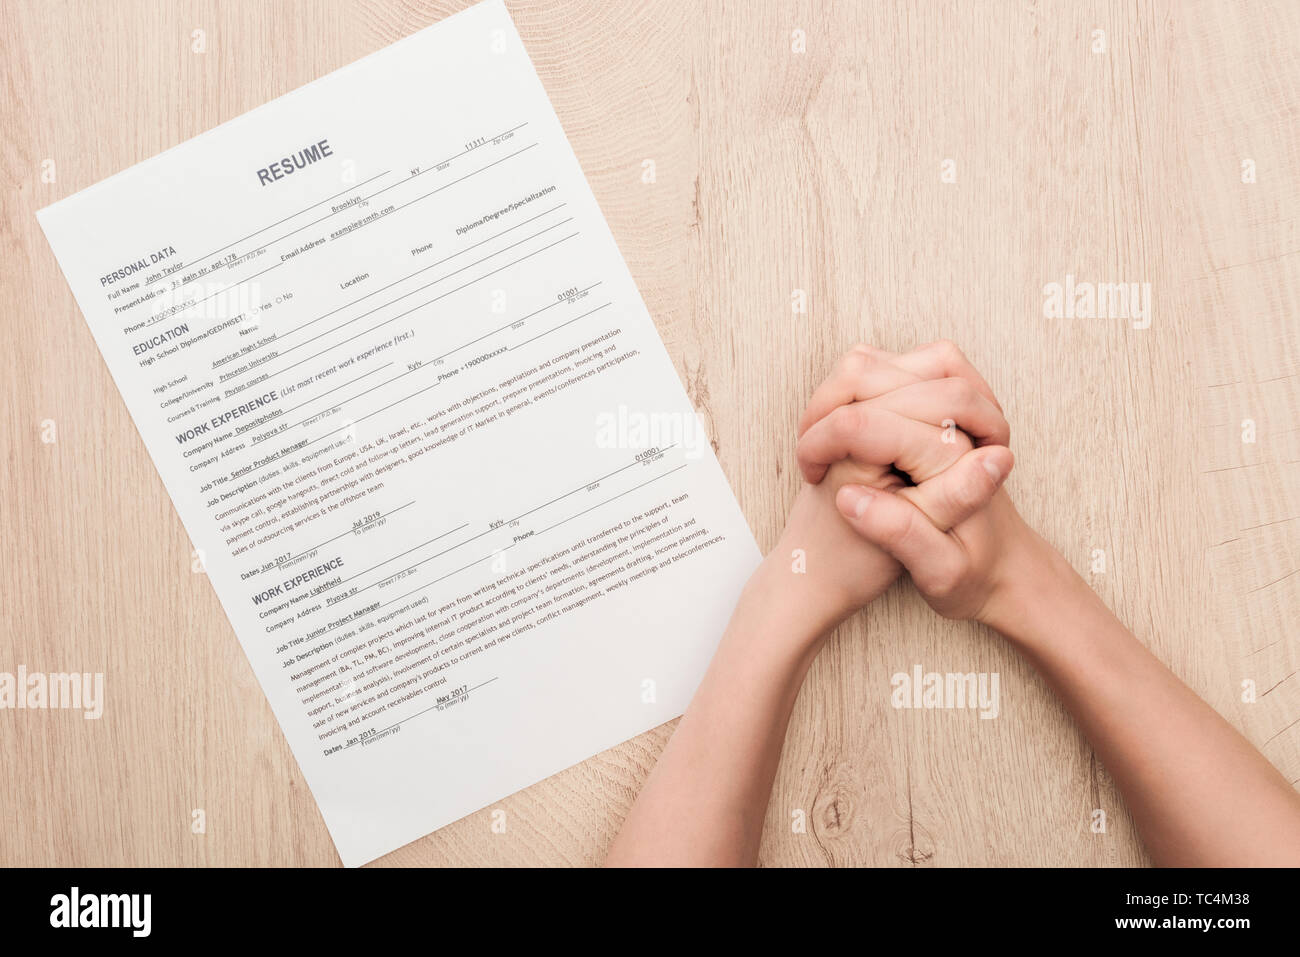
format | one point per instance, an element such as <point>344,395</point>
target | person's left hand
<point>876,416</point>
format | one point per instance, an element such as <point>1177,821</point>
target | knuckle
<point>955,438</point>
<point>853,362</point>
<point>948,348</point>
<point>904,531</point>
<point>943,583</point>
<point>958,395</point>
<point>963,392</point>
<point>947,580</point>
<point>846,421</point>
<point>866,361</point>
<point>964,442</point>
<point>970,493</point>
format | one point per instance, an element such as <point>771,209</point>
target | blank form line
<point>407,552</point>
<point>420,367</point>
<point>602,478</point>
<point>410,276</point>
<point>342,428</point>
<point>285,452</point>
<point>559,327</point>
<point>395,209</point>
<point>494,140</point>
<point>366,199</point>
<point>488,335</point>
<point>380,325</point>
<point>335,389</point>
<point>474,538</point>
<point>398,209</point>
<point>272,226</point>
<point>556,525</point>
<point>356,528</point>
<point>340,405</point>
<point>344,325</point>
<point>491,139</point>
<point>417,714</point>
<point>608,500</point>
<point>400,554</point>
<point>233,285</point>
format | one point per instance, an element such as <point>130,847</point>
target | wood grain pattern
<point>775,171</point>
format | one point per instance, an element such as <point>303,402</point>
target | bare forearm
<point>705,801</point>
<point>1198,791</point>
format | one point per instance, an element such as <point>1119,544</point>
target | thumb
<point>962,489</point>
<point>895,525</point>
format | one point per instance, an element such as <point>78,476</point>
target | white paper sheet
<point>419,425</point>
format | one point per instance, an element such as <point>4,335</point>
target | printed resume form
<point>419,426</point>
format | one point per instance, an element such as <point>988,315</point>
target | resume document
<point>419,426</point>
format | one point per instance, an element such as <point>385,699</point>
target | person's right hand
<point>876,424</point>
<point>960,552</point>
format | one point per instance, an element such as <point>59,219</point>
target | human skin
<point>704,803</point>
<point>1199,793</point>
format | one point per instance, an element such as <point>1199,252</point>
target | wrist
<point>1034,584</point>
<point>785,610</point>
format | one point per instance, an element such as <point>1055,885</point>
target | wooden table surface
<point>795,146</point>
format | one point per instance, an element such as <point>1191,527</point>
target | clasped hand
<point>905,455</point>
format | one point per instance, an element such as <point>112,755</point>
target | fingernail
<point>854,500</point>
<point>994,470</point>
